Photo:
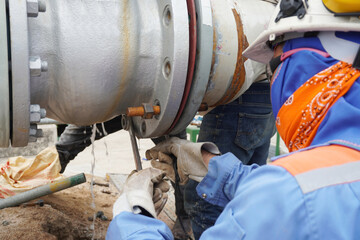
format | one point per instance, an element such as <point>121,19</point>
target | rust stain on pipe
<point>125,32</point>
<point>239,74</point>
<point>214,46</point>
<point>203,107</point>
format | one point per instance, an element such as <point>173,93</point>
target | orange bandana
<point>300,116</point>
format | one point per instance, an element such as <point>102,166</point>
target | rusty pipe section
<point>224,30</point>
<point>236,25</point>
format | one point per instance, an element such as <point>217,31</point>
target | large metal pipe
<point>106,56</point>
<point>86,61</point>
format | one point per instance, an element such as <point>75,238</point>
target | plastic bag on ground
<point>19,174</point>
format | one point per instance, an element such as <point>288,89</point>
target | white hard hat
<point>304,18</point>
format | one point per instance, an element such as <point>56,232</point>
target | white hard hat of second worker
<point>300,18</point>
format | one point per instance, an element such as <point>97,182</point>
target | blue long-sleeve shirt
<point>260,203</point>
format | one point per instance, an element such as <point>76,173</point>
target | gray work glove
<point>145,189</point>
<point>190,162</point>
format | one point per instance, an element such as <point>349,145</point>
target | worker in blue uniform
<point>314,191</point>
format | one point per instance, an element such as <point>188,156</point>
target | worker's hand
<point>190,163</point>
<point>160,196</point>
<point>144,192</point>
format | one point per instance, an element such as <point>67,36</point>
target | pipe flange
<point>203,64</point>
<point>191,64</point>
<point>170,83</point>
<point>4,81</point>
<point>20,73</point>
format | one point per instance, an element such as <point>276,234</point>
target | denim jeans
<point>75,139</point>
<point>243,127</point>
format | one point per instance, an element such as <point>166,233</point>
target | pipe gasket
<point>204,53</point>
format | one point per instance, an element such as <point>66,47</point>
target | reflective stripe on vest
<point>322,167</point>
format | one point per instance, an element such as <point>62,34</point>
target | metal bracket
<point>128,125</point>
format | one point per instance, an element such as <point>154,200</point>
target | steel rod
<point>134,146</point>
<point>42,191</point>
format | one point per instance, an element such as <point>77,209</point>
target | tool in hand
<point>127,124</point>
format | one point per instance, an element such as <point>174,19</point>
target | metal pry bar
<point>127,124</point>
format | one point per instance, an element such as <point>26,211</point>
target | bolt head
<point>36,113</point>
<point>32,8</point>
<point>33,130</point>
<point>35,108</point>
<point>35,117</point>
<point>35,66</point>
<point>39,133</point>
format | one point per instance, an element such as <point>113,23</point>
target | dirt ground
<point>67,214</point>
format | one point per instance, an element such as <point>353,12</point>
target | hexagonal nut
<point>39,133</point>
<point>148,111</point>
<point>35,66</point>
<point>36,113</point>
<point>32,8</point>
<point>33,130</point>
<point>35,108</point>
<point>35,117</point>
